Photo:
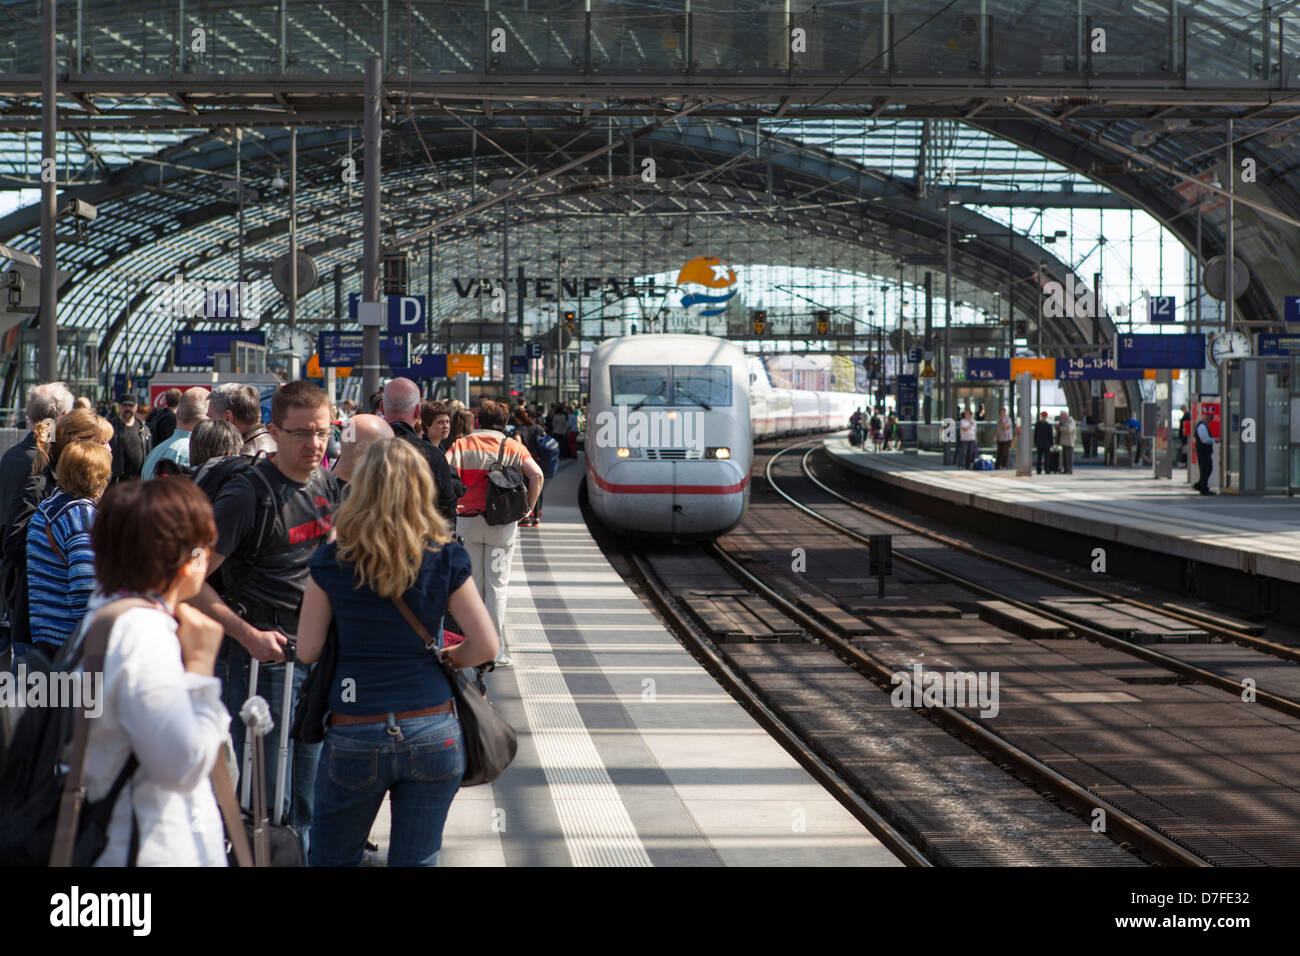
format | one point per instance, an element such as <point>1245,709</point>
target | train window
<point>702,385</point>
<point>638,384</point>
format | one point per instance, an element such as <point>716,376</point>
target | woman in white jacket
<point>158,697</point>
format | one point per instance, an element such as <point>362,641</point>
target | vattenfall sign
<point>570,287</point>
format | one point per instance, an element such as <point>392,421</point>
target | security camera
<point>80,209</point>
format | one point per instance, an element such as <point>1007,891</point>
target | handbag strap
<point>225,794</point>
<point>94,648</point>
<point>430,642</point>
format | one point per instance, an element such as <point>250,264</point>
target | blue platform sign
<point>519,365</point>
<point>1160,308</point>
<point>988,370</point>
<point>1161,351</point>
<point>406,313</point>
<point>1291,308</point>
<point>1274,344</point>
<point>424,366</point>
<point>345,348</point>
<point>534,350</point>
<point>907,398</point>
<point>1094,369</point>
<point>915,355</point>
<point>197,348</point>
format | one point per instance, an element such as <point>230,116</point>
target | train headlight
<point>628,453</point>
<point>721,452</point>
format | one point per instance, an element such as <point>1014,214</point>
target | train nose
<point>707,497</point>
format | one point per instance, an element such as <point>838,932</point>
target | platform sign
<point>1094,369</point>
<point>1291,308</point>
<point>988,370</point>
<point>472,365</point>
<point>424,366</point>
<point>519,365</point>
<point>1039,369</point>
<point>915,355</point>
<point>1161,308</point>
<point>1273,344</point>
<point>345,348</point>
<point>405,313</point>
<point>534,350</point>
<point>1161,351</point>
<point>198,348</point>
<point>907,403</point>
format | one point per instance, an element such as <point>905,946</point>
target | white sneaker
<point>504,661</point>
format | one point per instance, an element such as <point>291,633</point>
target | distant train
<point>671,423</point>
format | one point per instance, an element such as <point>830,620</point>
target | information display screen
<point>344,348</point>
<point>1142,350</point>
<point>197,348</point>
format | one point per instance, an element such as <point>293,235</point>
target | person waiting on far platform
<point>1065,436</point>
<point>1006,434</point>
<point>969,443</point>
<point>1042,441</point>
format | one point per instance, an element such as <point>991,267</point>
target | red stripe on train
<point>614,489</point>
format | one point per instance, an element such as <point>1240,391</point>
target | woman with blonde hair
<point>391,728</point>
<point>78,425</point>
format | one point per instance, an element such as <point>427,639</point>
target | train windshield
<point>708,386</point>
<point>639,384</point>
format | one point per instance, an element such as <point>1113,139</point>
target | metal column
<point>370,222</point>
<point>1230,309</point>
<point>505,301</point>
<point>295,364</point>
<point>49,327</point>
<point>947,314</point>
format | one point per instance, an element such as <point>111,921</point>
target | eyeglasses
<point>306,434</point>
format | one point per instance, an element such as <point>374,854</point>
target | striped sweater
<point>59,588</point>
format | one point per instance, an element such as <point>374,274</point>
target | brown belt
<point>336,720</point>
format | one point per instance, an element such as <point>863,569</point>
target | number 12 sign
<point>1161,308</point>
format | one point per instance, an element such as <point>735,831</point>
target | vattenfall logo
<point>707,285</point>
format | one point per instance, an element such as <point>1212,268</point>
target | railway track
<point>947,805</point>
<point>1071,623</point>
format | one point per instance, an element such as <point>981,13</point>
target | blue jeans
<point>303,758</point>
<point>418,762</point>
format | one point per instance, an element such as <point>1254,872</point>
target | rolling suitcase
<point>275,842</point>
<point>1054,460</point>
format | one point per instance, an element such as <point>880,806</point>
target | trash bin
<point>950,449</point>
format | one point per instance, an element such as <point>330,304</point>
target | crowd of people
<point>251,542</point>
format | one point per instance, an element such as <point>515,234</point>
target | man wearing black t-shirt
<point>271,517</point>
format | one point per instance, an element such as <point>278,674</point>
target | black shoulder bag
<point>490,741</point>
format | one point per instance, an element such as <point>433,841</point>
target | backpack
<point>41,799</point>
<point>13,574</point>
<point>548,454</point>
<point>211,478</point>
<point>506,499</point>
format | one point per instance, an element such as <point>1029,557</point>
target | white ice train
<point>671,423</point>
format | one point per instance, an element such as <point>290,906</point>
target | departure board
<point>1161,351</point>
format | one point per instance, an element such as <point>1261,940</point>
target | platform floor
<point>630,754</point>
<point>1260,535</point>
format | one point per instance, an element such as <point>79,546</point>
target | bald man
<point>400,407</point>
<point>360,432</point>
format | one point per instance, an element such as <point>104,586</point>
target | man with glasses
<point>271,517</point>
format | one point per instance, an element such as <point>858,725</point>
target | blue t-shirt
<point>378,650</point>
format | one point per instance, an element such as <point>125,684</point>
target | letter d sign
<point>405,314</point>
